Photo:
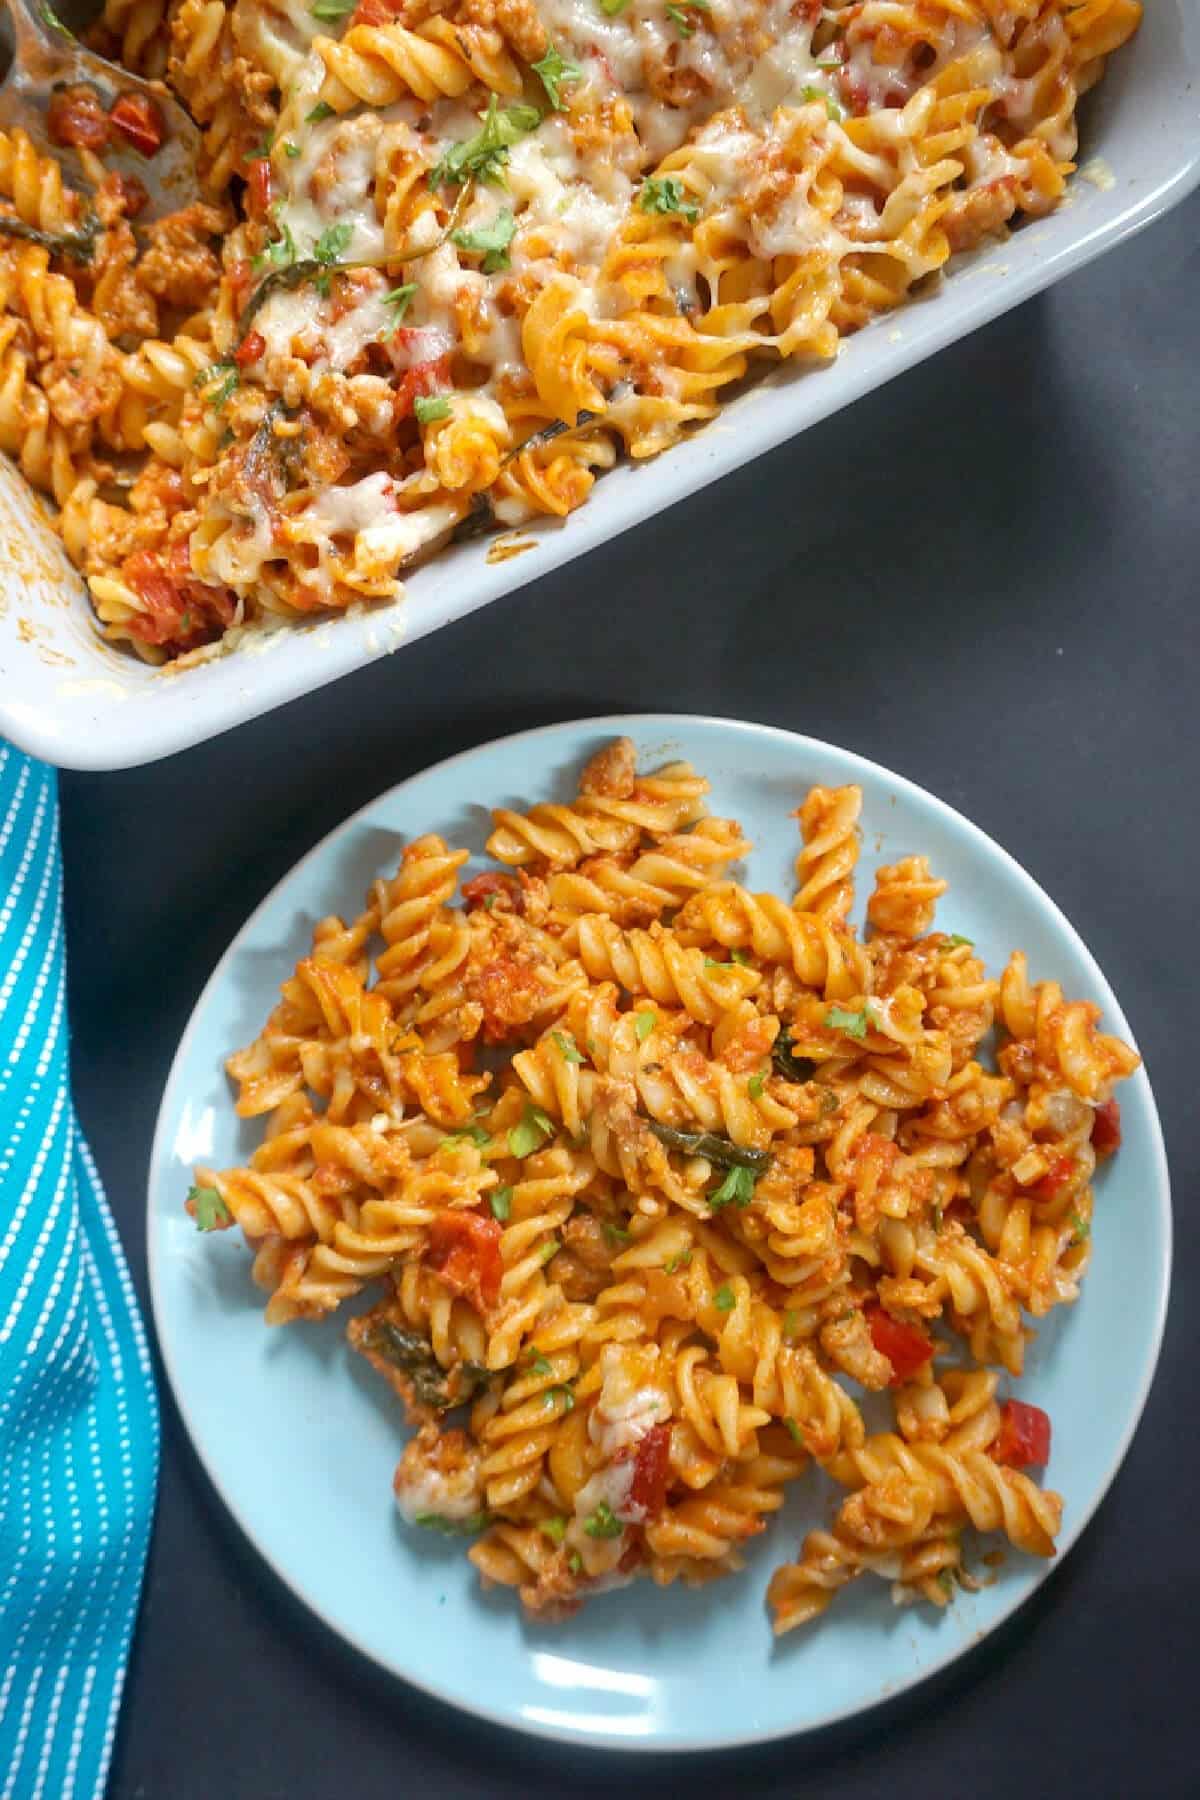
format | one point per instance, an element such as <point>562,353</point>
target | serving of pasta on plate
<point>660,1188</point>
<point>454,257</point>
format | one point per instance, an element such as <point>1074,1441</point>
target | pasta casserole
<point>662,1188</point>
<point>456,256</point>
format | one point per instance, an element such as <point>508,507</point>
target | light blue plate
<point>300,1437</point>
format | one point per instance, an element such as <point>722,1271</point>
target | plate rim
<point>665,1743</point>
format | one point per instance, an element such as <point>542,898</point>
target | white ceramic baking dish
<point>74,700</point>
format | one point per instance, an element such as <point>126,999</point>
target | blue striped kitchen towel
<point>78,1414</point>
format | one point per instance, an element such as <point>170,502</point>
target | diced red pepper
<point>180,609</point>
<point>376,12</point>
<point>464,1248</point>
<point>651,1470</point>
<point>906,1348</point>
<point>140,122</point>
<point>1024,1440</point>
<point>423,378</point>
<point>76,117</point>
<point>1056,1178</point>
<point>250,349</point>
<point>1106,1128</point>
<point>476,891</point>
<point>258,188</point>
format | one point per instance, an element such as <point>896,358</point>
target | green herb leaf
<point>208,1209</point>
<point>490,241</point>
<point>333,242</point>
<point>723,1299</point>
<point>830,104</point>
<point>615,1234</point>
<point>453,1527</point>
<point>534,1128</point>
<point>665,194</point>
<point>550,1248</point>
<point>956,941</point>
<point>683,25</point>
<point>476,1133</point>
<point>554,1529</point>
<point>485,155</point>
<point>501,1203</point>
<point>429,408</point>
<point>740,957</point>
<point>715,1149</point>
<point>681,1260</point>
<point>790,1066</point>
<point>738,1187</point>
<point>290,149</point>
<point>854,1024</point>
<point>793,1430</point>
<point>575,1563</point>
<point>791,1326</point>
<point>331,9</point>
<point>1082,1229</point>
<point>401,299</point>
<point>603,1523</point>
<point>541,1365</point>
<point>258,152</point>
<point>643,1025</point>
<point>756,1086</point>
<point>568,1049</point>
<point>218,382</point>
<point>322,110</point>
<point>556,71</point>
<point>568,1398</point>
<point>611,8</point>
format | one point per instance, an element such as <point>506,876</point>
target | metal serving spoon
<point>47,58</point>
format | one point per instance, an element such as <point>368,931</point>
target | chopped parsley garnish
<point>793,1430</point>
<point>603,1523</point>
<point>681,22</point>
<point>429,408</point>
<point>401,299</point>
<point>756,1086</point>
<point>665,194</point>
<point>290,149</point>
<point>534,1128</point>
<point>568,1049</point>
<point>575,1563</point>
<point>737,1187</point>
<point>501,1203</point>
<point>262,149</point>
<point>208,1209</point>
<point>280,253</point>
<point>723,1299</point>
<point>1082,1229</point>
<point>485,155</point>
<point>332,243</point>
<point>681,1260</point>
<point>791,1325</point>
<point>615,1234</point>
<point>643,1025</point>
<point>854,1024</point>
<point>476,1133</point>
<point>453,1527</point>
<point>322,110</point>
<point>555,72</point>
<point>831,106</point>
<point>218,381</point>
<point>568,1398</point>
<point>541,1365</point>
<point>332,9</point>
<point>490,241</point>
<point>610,8</point>
<point>555,1529</point>
<point>956,941</point>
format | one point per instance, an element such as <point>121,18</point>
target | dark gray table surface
<point>984,576</point>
